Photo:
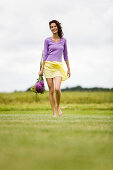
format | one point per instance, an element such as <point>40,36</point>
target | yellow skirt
<point>53,69</point>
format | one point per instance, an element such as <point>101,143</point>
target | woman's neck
<point>55,36</point>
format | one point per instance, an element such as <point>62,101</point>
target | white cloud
<point>87,26</point>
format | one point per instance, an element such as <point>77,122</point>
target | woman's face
<point>53,28</point>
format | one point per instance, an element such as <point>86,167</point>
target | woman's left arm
<point>68,68</point>
<point>66,58</point>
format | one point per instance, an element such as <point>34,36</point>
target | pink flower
<point>41,83</point>
<point>39,88</point>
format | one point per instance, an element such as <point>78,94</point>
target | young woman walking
<point>52,65</point>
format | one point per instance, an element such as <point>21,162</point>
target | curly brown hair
<point>60,32</point>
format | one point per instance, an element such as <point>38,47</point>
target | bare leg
<point>51,94</point>
<point>58,93</point>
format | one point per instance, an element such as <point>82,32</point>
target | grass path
<point>82,139</point>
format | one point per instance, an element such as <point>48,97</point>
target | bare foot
<point>59,112</point>
<point>54,115</point>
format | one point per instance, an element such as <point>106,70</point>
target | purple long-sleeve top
<point>53,51</point>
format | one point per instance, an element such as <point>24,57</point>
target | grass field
<point>31,139</point>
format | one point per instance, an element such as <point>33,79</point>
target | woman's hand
<point>68,73</point>
<point>40,73</point>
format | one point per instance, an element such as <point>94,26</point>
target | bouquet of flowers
<point>39,85</point>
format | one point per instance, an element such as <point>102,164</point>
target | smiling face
<point>54,28</point>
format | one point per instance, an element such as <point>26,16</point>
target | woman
<point>52,65</point>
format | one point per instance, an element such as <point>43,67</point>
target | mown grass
<point>31,139</point>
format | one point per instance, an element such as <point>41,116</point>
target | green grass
<point>31,139</point>
<point>67,97</point>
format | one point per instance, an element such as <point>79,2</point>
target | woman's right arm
<point>44,56</point>
<point>41,71</point>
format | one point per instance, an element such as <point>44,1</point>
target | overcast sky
<point>87,26</point>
